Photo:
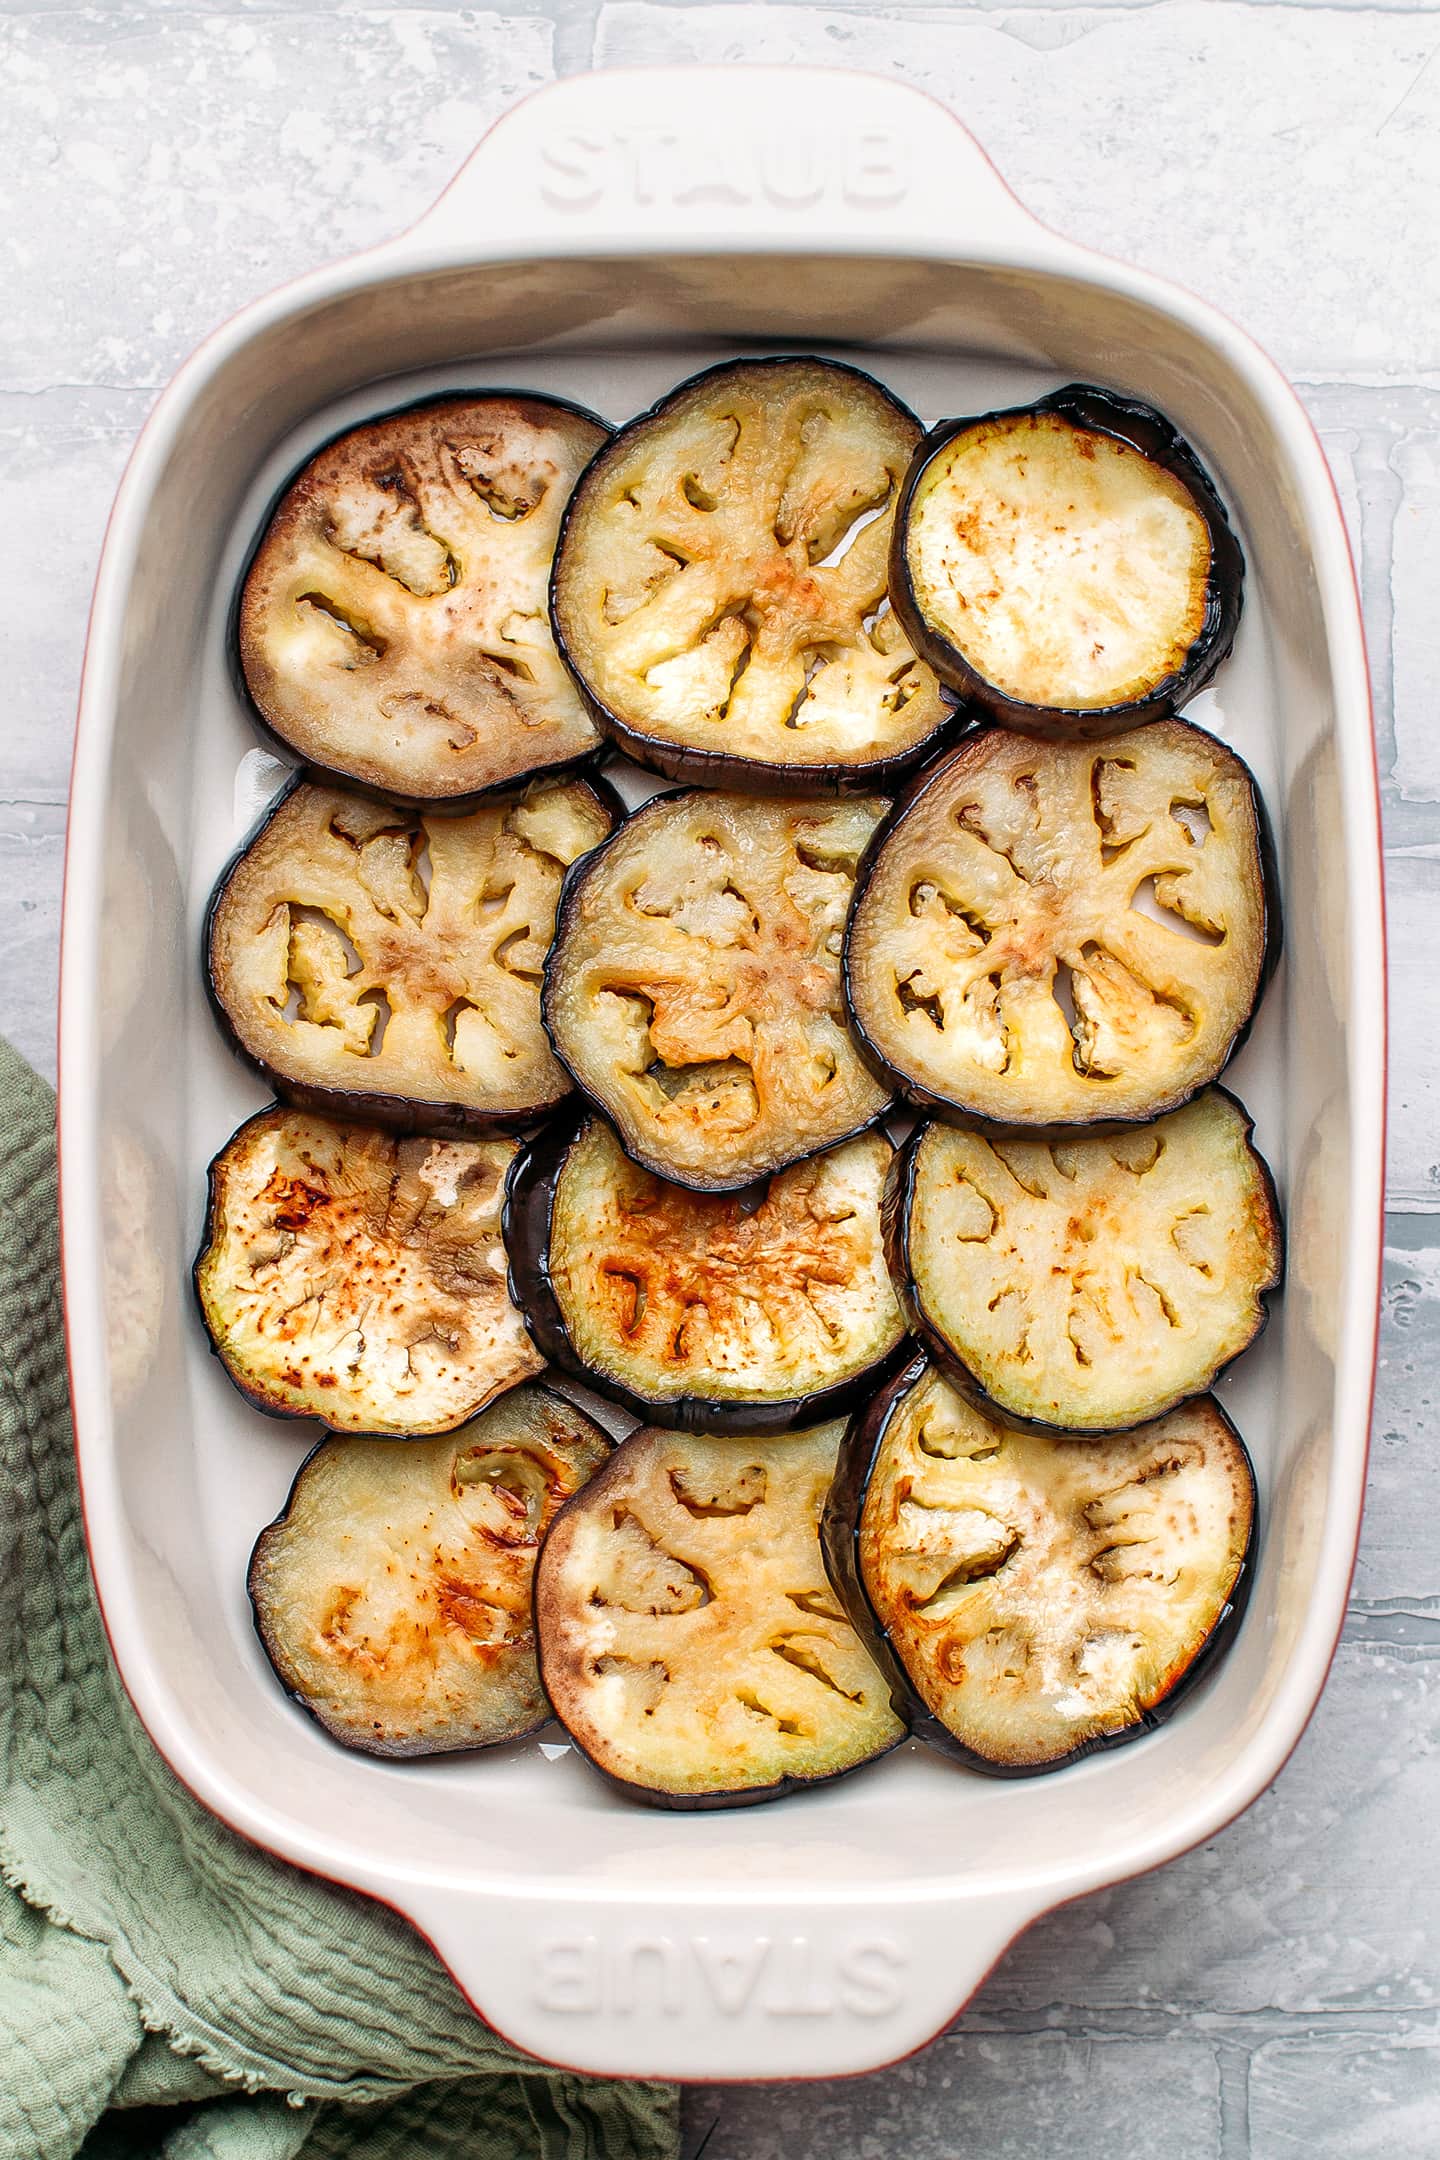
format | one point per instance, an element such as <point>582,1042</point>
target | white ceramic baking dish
<point>609,235</point>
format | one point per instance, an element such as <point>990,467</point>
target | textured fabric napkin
<point>165,1988</point>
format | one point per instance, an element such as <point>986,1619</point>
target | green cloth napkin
<point>165,1988</point>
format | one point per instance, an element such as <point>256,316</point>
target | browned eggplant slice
<point>1087,1282</point>
<point>1034,1598</point>
<point>385,963</point>
<point>393,1595</point>
<point>720,583</point>
<point>1064,932</point>
<point>693,988</point>
<point>689,1641</point>
<point>716,1312</point>
<point>394,627</point>
<point>1066,566</point>
<point>360,1278</point>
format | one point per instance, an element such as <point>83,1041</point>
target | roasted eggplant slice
<point>356,1277</point>
<point>386,963</point>
<point>393,1594</point>
<point>718,1312</point>
<point>393,625</point>
<point>689,1641</point>
<point>1086,1282</point>
<point>1066,566</point>
<point>720,583</point>
<point>693,988</point>
<point>1034,1598</point>
<point>1063,933</point>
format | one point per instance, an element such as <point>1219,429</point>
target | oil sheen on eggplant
<point>1086,1282</point>
<point>1034,1598</point>
<point>393,1595</point>
<point>352,1275</point>
<point>689,1640</point>
<point>720,583</point>
<point>385,963</point>
<point>693,987</point>
<point>714,1312</point>
<point>394,627</point>
<point>1064,932</point>
<point>1066,566</point>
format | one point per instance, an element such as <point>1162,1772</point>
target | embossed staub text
<point>782,1976</point>
<point>642,166</point>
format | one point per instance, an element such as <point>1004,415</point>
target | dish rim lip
<point>411,255</point>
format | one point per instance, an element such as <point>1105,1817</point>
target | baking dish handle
<point>718,1988</point>
<point>767,157</point>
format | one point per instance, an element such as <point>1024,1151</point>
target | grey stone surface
<point>1277,1993</point>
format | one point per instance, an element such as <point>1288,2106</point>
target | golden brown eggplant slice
<point>720,584</point>
<point>385,963</point>
<point>354,1276</point>
<point>393,1595</point>
<point>1035,1598</point>
<point>394,627</point>
<point>689,1640</point>
<point>1064,932</point>
<point>1087,1282</point>
<point>693,988</point>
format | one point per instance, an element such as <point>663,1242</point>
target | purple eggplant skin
<point>895,1222</point>
<point>530,1189</point>
<point>943,1107</point>
<point>397,1113</point>
<point>582,767</point>
<point>1129,421</point>
<point>840,1546</point>
<point>708,1802</point>
<point>714,768</point>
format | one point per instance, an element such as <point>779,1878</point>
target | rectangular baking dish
<point>603,240</point>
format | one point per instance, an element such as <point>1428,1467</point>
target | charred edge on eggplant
<point>1131,1263</point>
<point>688,1639</point>
<point>392,1594</point>
<point>1215,607</point>
<point>976,1558</point>
<point>706,1262</point>
<point>998,937</point>
<point>594,800</point>
<point>440,505</point>
<point>757,966</point>
<point>754,637</point>
<point>395,1242</point>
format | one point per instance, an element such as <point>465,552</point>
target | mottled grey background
<point>1275,1993</point>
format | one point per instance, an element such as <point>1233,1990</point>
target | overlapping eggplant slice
<point>689,1640</point>
<point>693,987</point>
<point>1087,1282</point>
<point>714,1312</point>
<point>720,583</point>
<point>1066,566</point>
<point>385,963</point>
<point>354,1276</point>
<point>393,1595</point>
<point>1034,1598</point>
<point>394,625</point>
<point>1064,932</point>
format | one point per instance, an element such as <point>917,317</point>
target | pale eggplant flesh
<point>689,1640</point>
<point>385,964</point>
<point>1064,932</point>
<point>358,1276</point>
<point>393,626</point>
<point>393,1594</point>
<point>1066,567</point>
<point>720,583</point>
<point>693,986</point>
<point>1086,1282</point>
<point>743,1312</point>
<point>1033,1599</point>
